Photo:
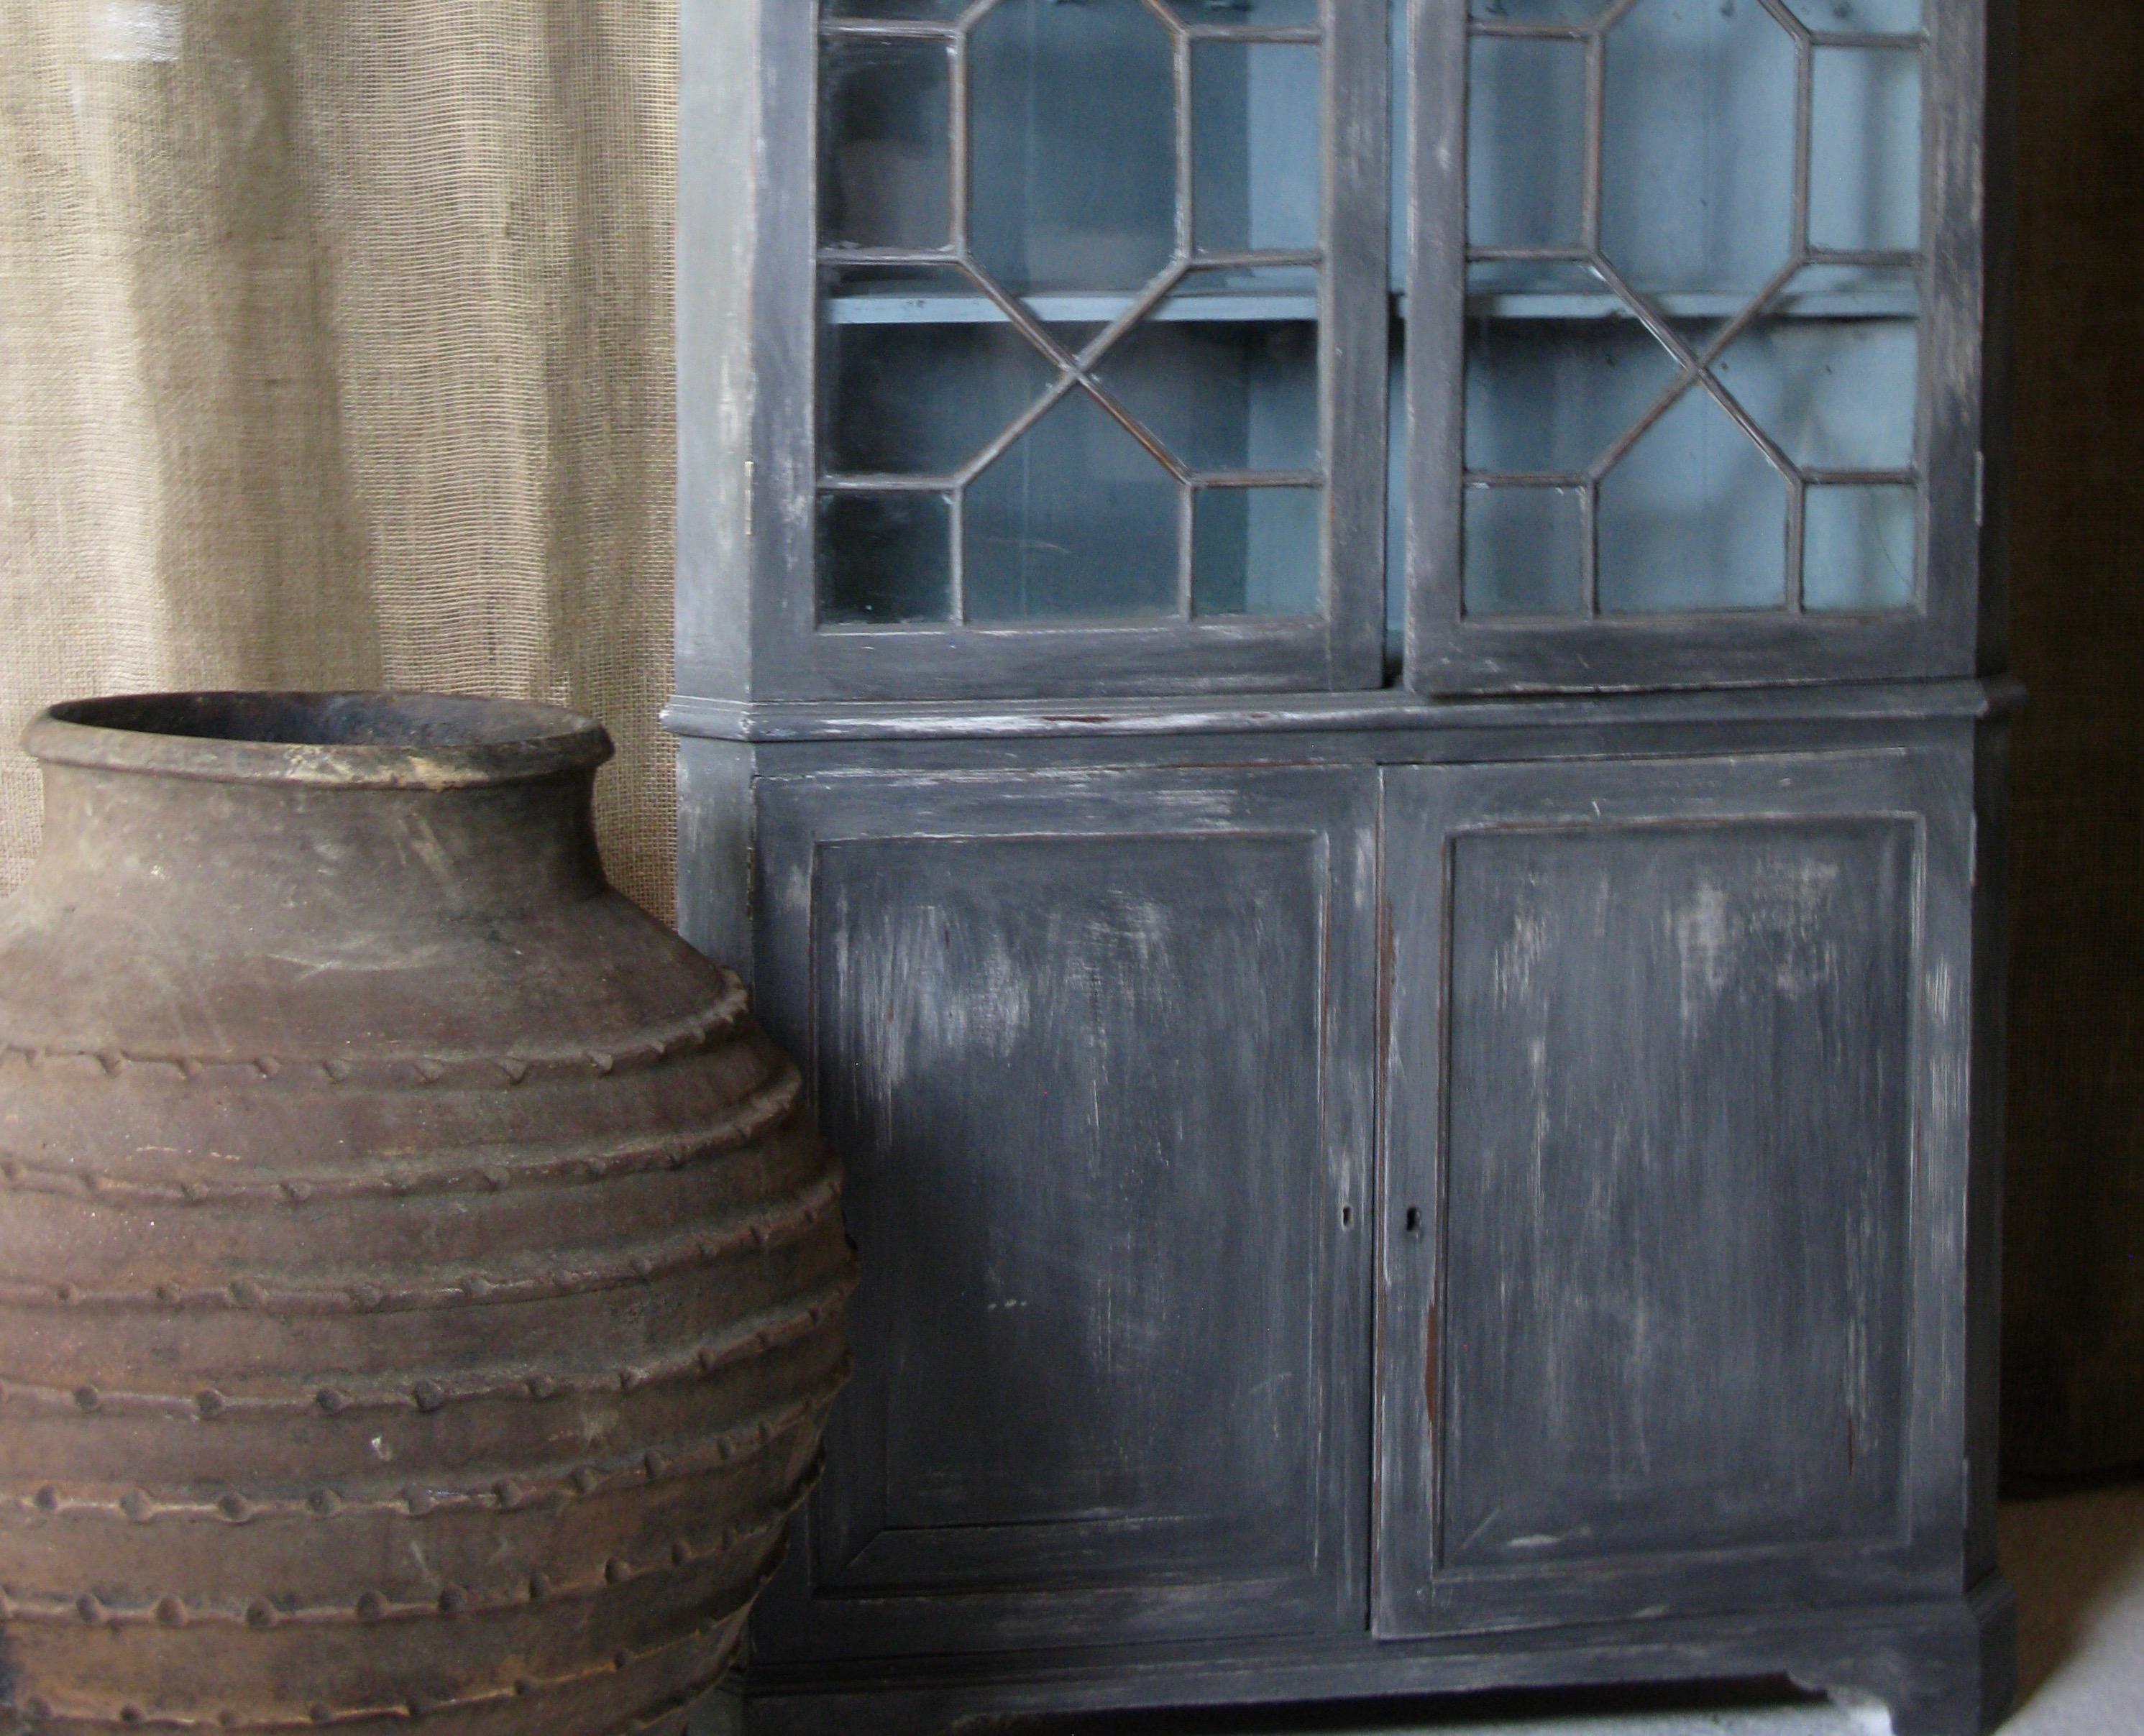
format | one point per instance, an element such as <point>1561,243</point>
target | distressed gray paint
<point>1651,1101</point>
<point>919,835</point>
<point>1098,1047</point>
<point>1940,1666</point>
<point>861,868</point>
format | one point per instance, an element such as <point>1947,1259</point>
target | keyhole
<point>1414,1220</point>
<point>1347,1218</point>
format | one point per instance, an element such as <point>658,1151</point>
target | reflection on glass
<point>1698,149</point>
<point>1257,111</point>
<point>918,372</point>
<point>1221,387</point>
<point>1865,149</point>
<point>1875,18</point>
<point>1256,551</point>
<point>884,558</point>
<point>1524,552</point>
<point>940,10</point>
<point>884,122</point>
<point>1859,547</point>
<point>1526,161</point>
<point>1273,14</point>
<point>1838,392</point>
<point>1694,518</point>
<point>1076,519</point>
<point>1073,145</point>
<point>1538,12</point>
<point>1557,370</point>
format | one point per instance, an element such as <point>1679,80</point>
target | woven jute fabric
<point>335,351</point>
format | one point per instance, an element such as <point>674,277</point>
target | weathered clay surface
<point>421,1294</point>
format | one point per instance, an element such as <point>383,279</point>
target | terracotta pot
<point>420,1290</point>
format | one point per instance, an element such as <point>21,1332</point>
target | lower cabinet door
<point>1674,1180</point>
<point>1098,1049</point>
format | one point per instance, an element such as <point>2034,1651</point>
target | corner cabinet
<point>1340,667</point>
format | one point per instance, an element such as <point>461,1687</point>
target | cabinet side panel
<point>715,854</point>
<point>719,218</point>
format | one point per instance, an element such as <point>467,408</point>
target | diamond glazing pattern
<point>1139,273</point>
<point>1712,198</point>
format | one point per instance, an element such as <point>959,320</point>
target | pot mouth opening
<point>384,739</point>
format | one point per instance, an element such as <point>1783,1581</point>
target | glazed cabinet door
<point>1694,341</point>
<point>1675,1175</point>
<point>1097,1050</point>
<point>1090,305</point>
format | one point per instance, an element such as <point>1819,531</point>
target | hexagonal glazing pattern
<point>1073,278</point>
<point>1713,205</point>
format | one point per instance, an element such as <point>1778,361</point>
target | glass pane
<point>1524,552</point>
<point>884,125</point>
<point>943,10</point>
<point>1538,12</point>
<point>1694,518</point>
<point>1269,13</point>
<point>1072,138</point>
<point>919,371</point>
<point>1257,109</point>
<point>1865,149</point>
<point>1076,519</point>
<point>896,9</point>
<point>1831,373</point>
<point>885,558</point>
<point>1557,369</point>
<point>1859,547</point>
<point>1224,372</point>
<point>1698,164</point>
<point>1525,163</point>
<point>1872,17</point>
<point>1256,551</point>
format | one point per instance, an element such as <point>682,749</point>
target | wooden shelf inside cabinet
<point>898,307</point>
<point>1683,304</point>
<point>1692,305</point>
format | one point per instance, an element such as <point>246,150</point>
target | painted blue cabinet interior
<point>1340,674</point>
<point>1694,290</point>
<point>1070,304</point>
<point>1084,267</point>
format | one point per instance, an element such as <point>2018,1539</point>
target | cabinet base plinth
<point>1944,1667</point>
<point>1960,1680</point>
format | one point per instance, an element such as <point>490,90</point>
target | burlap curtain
<point>336,349</point>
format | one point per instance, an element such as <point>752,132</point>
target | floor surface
<point>2077,1564</point>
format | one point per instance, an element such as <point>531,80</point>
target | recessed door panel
<point>1659,1036</point>
<point>1076,1040</point>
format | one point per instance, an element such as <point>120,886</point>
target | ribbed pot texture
<point>420,1290</point>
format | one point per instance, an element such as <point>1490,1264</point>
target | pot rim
<point>350,740</point>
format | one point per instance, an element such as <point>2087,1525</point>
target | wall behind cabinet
<point>2074,1373</point>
